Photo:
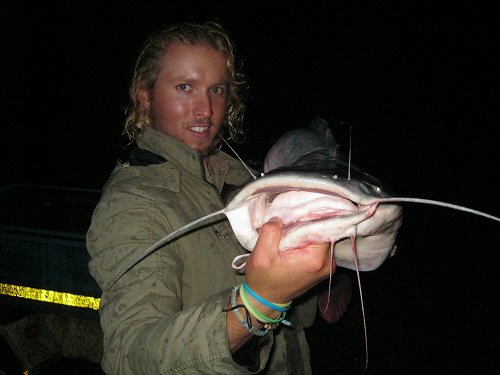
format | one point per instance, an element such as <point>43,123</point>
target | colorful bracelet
<point>258,315</point>
<point>275,306</point>
<point>245,322</point>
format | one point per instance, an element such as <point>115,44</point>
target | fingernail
<point>275,219</point>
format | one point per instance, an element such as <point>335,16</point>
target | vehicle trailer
<point>48,300</point>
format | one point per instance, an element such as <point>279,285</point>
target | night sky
<point>417,83</point>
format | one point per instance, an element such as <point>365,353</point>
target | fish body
<point>320,198</point>
<point>318,206</point>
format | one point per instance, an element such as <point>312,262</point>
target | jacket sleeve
<point>146,328</point>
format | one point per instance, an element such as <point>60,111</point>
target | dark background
<point>418,84</point>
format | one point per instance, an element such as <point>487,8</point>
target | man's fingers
<point>269,235</point>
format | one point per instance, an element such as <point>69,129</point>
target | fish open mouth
<point>309,215</point>
<point>302,207</point>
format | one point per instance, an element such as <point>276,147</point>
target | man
<point>177,311</point>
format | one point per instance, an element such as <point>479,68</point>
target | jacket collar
<point>174,151</point>
<point>222,167</point>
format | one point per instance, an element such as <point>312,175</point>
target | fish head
<point>318,207</point>
<point>320,197</point>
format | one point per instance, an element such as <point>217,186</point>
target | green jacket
<point>164,316</point>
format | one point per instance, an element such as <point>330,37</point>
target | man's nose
<point>203,107</point>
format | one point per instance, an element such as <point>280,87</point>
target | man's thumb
<point>269,235</point>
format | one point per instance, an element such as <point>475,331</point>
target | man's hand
<point>283,276</point>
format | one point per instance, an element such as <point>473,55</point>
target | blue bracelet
<point>273,306</point>
<point>245,322</point>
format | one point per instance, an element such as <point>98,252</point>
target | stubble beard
<point>207,152</point>
<point>210,150</point>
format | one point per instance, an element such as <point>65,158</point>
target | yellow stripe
<point>51,296</point>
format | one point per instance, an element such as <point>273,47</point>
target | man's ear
<point>145,98</point>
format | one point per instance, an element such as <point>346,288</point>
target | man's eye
<point>183,87</point>
<point>218,90</point>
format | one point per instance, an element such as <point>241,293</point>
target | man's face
<point>189,99</point>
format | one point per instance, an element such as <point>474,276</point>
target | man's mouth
<point>199,129</point>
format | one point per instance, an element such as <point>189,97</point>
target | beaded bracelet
<point>275,306</point>
<point>245,322</point>
<point>258,315</point>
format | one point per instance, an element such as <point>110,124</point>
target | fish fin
<point>333,301</point>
